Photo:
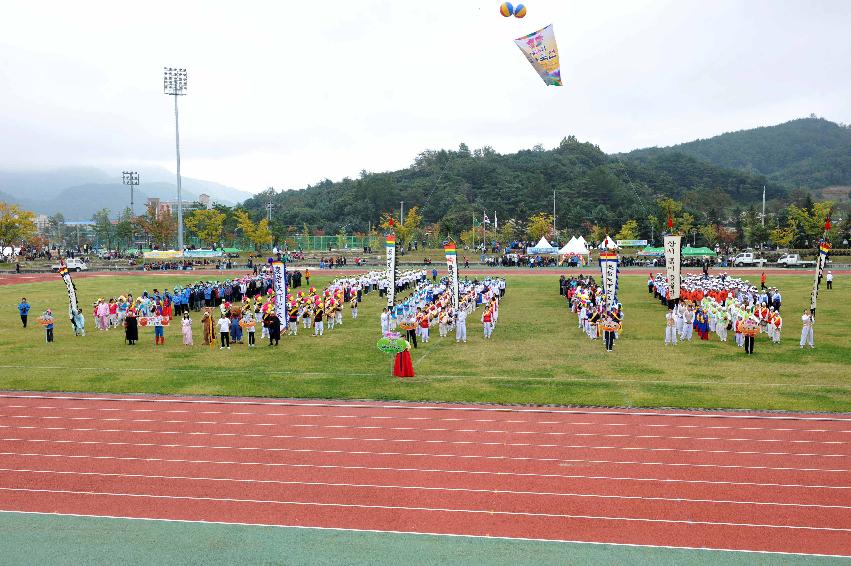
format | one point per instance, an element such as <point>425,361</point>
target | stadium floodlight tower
<point>131,179</point>
<point>175,84</point>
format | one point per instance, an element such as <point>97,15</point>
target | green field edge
<point>483,404</point>
<point>56,538</point>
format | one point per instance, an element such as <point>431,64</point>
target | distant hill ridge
<point>79,192</point>
<point>809,153</point>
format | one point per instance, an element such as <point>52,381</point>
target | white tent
<point>567,247</point>
<point>542,247</point>
<point>608,244</point>
<point>574,247</point>
<point>582,241</point>
<point>543,243</point>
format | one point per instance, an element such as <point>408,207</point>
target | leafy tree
<point>261,235</point>
<point>783,237</point>
<point>539,226</point>
<point>124,229</point>
<point>104,230</point>
<point>160,228</point>
<point>628,231</point>
<point>470,237</point>
<point>16,224</point>
<point>684,224</point>
<point>206,224</point>
<point>709,232</point>
<point>408,231</point>
<point>56,226</point>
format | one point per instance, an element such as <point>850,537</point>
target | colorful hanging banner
<point>72,292</point>
<point>609,268</point>
<point>672,265</point>
<point>821,261</point>
<point>452,266</point>
<point>279,279</point>
<point>390,248</point>
<point>541,51</point>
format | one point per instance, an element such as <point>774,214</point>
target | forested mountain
<point>807,153</point>
<point>454,187</point>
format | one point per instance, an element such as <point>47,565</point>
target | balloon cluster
<point>508,10</point>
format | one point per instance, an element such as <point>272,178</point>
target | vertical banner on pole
<point>452,266</point>
<point>672,265</point>
<point>279,271</point>
<point>390,247</point>
<point>72,292</point>
<point>609,267</point>
<point>821,261</point>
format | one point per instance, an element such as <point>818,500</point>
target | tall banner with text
<point>821,261</point>
<point>390,247</point>
<point>609,268</point>
<point>279,272</point>
<point>672,265</point>
<point>72,292</point>
<point>452,266</point>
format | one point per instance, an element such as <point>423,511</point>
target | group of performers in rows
<point>238,321</point>
<point>596,316</point>
<point>722,304</point>
<point>430,305</point>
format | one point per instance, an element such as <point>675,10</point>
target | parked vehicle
<point>794,260</point>
<point>73,264</point>
<point>749,259</point>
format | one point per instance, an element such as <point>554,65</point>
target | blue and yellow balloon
<point>506,9</point>
<point>519,11</point>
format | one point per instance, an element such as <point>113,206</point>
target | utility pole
<point>269,204</point>
<point>554,213</point>
<point>175,84</point>
<point>763,206</point>
<point>402,213</point>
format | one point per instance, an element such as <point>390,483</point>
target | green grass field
<point>537,355</point>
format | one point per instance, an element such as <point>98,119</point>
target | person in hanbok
<point>186,328</point>
<point>131,327</point>
<point>403,366</point>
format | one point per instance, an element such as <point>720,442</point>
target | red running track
<point>744,481</point>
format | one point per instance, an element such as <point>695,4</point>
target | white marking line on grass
<point>416,533</point>
<point>418,429</point>
<point>449,419</point>
<point>416,407</point>
<point>426,470</point>
<point>436,441</point>
<point>427,488</point>
<point>560,461</point>
<point>410,508</point>
<point>563,378</point>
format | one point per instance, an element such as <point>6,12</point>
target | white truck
<point>748,259</point>
<point>794,260</point>
<point>73,264</point>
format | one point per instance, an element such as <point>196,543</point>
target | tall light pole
<point>175,84</point>
<point>270,204</point>
<point>131,179</point>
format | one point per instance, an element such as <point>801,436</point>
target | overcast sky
<point>288,93</point>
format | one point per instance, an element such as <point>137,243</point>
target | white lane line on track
<point>426,488</point>
<point>425,509</point>
<point>450,419</point>
<point>418,441</point>
<point>424,470</point>
<point>419,429</point>
<point>705,549</point>
<point>356,405</point>
<point>560,461</point>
